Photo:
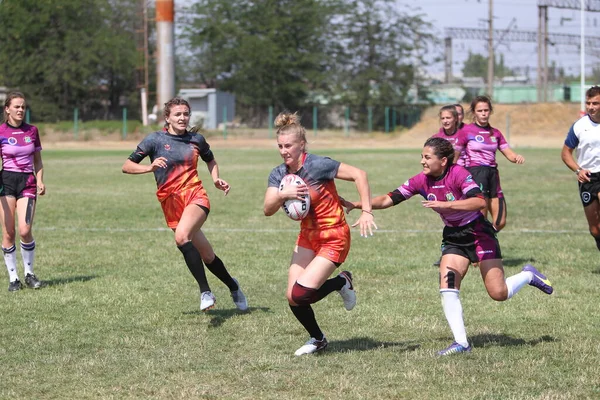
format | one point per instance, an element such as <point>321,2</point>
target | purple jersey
<point>480,145</point>
<point>454,185</point>
<point>18,146</point>
<point>454,140</point>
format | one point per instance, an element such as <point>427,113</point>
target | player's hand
<point>584,176</point>
<point>519,159</point>
<point>348,205</point>
<point>291,192</point>
<point>160,162</point>
<point>435,204</point>
<point>222,185</point>
<point>41,188</point>
<point>367,223</point>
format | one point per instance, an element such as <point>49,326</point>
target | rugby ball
<point>294,208</point>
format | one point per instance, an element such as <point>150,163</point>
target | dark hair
<point>9,98</point>
<point>288,123</point>
<point>441,148</point>
<point>450,108</point>
<point>593,91</point>
<point>481,99</point>
<point>175,101</point>
<point>459,106</point>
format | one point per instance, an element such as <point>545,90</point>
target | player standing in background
<point>324,239</point>
<point>174,161</point>
<point>584,136</point>
<point>449,121</point>
<point>480,141</point>
<point>468,237</point>
<point>22,179</point>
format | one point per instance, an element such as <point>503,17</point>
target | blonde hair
<point>288,123</point>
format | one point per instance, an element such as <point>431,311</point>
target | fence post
<point>508,127</point>
<point>347,121</point>
<point>315,120</point>
<point>124,123</point>
<point>270,122</point>
<point>225,122</point>
<point>370,120</point>
<point>393,120</point>
<point>387,120</point>
<point>27,116</point>
<point>75,122</point>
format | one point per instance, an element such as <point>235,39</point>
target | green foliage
<point>68,54</point>
<point>120,316</point>
<point>476,65</point>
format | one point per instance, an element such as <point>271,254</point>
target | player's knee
<point>302,296</point>
<point>25,234</point>
<point>181,238</point>
<point>498,294</point>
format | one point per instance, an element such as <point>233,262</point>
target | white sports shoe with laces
<point>312,346</point>
<point>207,301</point>
<point>347,291</point>
<point>238,297</point>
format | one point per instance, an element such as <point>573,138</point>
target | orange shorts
<point>176,202</point>
<point>332,244</point>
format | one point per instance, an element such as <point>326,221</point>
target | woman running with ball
<point>324,239</point>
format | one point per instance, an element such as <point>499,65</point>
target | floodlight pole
<point>491,60</point>
<point>582,55</point>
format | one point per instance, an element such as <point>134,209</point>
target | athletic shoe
<point>312,346</point>
<point>347,291</point>
<point>14,286</point>
<point>32,281</point>
<point>239,298</point>
<point>207,301</point>
<point>454,348</point>
<point>539,280</point>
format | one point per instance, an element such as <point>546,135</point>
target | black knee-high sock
<point>218,269</point>
<point>597,239</point>
<point>195,265</point>
<point>329,286</point>
<point>306,316</point>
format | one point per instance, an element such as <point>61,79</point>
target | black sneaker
<point>14,286</point>
<point>32,282</point>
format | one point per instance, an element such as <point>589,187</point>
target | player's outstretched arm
<point>366,219</point>
<point>213,169</point>
<point>129,167</point>
<point>512,156</point>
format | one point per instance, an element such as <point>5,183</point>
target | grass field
<point>119,317</point>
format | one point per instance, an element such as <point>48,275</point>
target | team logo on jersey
<point>469,179</point>
<point>167,147</point>
<point>450,197</point>
<point>493,139</point>
<point>12,141</point>
<point>431,197</point>
<point>27,139</point>
<point>479,138</point>
<point>586,197</point>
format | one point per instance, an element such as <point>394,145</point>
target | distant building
<point>210,107</point>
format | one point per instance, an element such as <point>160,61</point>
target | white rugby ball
<point>294,208</point>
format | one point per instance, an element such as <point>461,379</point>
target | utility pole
<point>165,32</point>
<point>491,60</point>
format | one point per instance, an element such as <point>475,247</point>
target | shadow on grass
<point>218,317</point>
<point>597,271</point>
<point>505,340</point>
<point>66,281</point>
<point>517,262</point>
<point>366,343</point>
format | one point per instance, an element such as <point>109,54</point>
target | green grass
<point>120,316</point>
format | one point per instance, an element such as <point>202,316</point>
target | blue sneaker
<point>539,280</point>
<point>454,348</point>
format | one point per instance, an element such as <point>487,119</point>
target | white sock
<point>28,254</point>
<point>516,282</point>
<point>10,259</point>
<point>454,315</point>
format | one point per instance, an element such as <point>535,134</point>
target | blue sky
<point>474,14</point>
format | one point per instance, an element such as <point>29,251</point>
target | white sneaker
<point>238,297</point>
<point>207,301</point>
<point>312,346</point>
<point>347,292</point>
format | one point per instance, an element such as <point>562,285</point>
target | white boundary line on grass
<point>249,230</point>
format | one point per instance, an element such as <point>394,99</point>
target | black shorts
<point>18,184</point>
<point>475,241</point>
<point>488,179</point>
<point>588,191</point>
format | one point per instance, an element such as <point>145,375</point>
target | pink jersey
<point>454,140</point>
<point>17,146</point>
<point>480,145</point>
<point>454,185</point>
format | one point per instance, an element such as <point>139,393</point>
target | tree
<point>476,65</point>
<point>67,54</point>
